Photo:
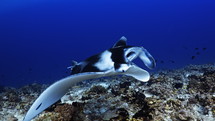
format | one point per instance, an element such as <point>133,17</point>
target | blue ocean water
<point>40,38</point>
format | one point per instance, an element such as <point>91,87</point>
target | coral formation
<point>186,94</point>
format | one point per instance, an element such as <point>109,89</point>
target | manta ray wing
<point>54,92</point>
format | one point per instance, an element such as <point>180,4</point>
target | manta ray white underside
<point>115,61</point>
<point>53,93</point>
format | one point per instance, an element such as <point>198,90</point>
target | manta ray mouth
<point>130,54</point>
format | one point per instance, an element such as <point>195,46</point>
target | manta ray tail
<point>74,63</point>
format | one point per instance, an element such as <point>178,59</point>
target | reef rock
<point>186,94</point>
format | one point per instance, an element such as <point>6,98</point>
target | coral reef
<point>186,94</point>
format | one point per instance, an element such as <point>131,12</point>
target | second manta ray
<point>114,61</point>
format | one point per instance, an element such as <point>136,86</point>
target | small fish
<point>193,57</point>
<point>204,48</point>
<point>172,61</point>
<point>196,48</point>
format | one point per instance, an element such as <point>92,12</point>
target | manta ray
<point>114,61</point>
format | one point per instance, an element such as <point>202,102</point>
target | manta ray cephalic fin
<point>138,73</point>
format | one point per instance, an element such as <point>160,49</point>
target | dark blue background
<point>39,38</point>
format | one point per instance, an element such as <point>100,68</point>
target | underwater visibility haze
<point>39,39</point>
<point>87,60</point>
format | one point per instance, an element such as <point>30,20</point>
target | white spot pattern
<point>105,62</point>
